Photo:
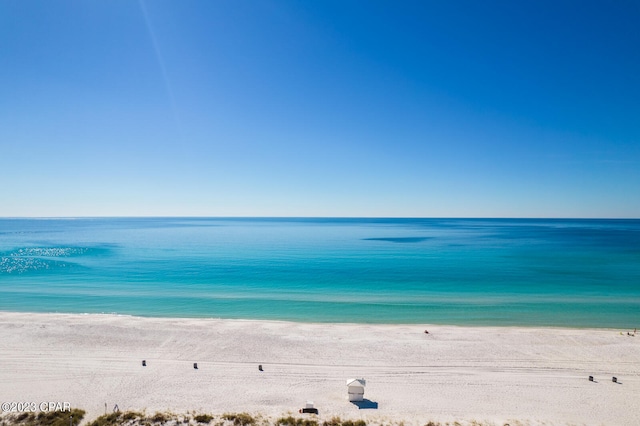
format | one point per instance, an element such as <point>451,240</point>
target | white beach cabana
<point>355,389</point>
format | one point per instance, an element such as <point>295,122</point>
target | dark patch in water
<point>398,239</point>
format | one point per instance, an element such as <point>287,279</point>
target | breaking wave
<point>32,259</point>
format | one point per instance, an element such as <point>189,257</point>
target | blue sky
<point>320,108</point>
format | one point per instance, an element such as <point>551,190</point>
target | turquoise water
<point>577,273</point>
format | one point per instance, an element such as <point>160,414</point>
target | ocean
<point>502,272</point>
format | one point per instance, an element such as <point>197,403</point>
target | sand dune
<point>491,374</point>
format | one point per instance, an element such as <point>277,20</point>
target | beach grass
<point>52,418</point>
<point>292,421</point>
<point>203,418</point>
<point>334,421</point>
<point>337,421</point>
<point>239,419</point>
<point>134,418</point>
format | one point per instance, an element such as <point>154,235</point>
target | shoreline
<point>70,315</point>
<point>495,374</point>
<point>470,325</point>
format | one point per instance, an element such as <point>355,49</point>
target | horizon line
<point>321,217</point>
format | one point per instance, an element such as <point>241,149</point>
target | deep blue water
<point>577,273</point>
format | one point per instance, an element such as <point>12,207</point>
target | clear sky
<point>320,108</point>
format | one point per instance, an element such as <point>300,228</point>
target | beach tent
<point>355,389</point>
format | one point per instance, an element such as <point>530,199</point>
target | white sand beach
<point>487,374</point>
